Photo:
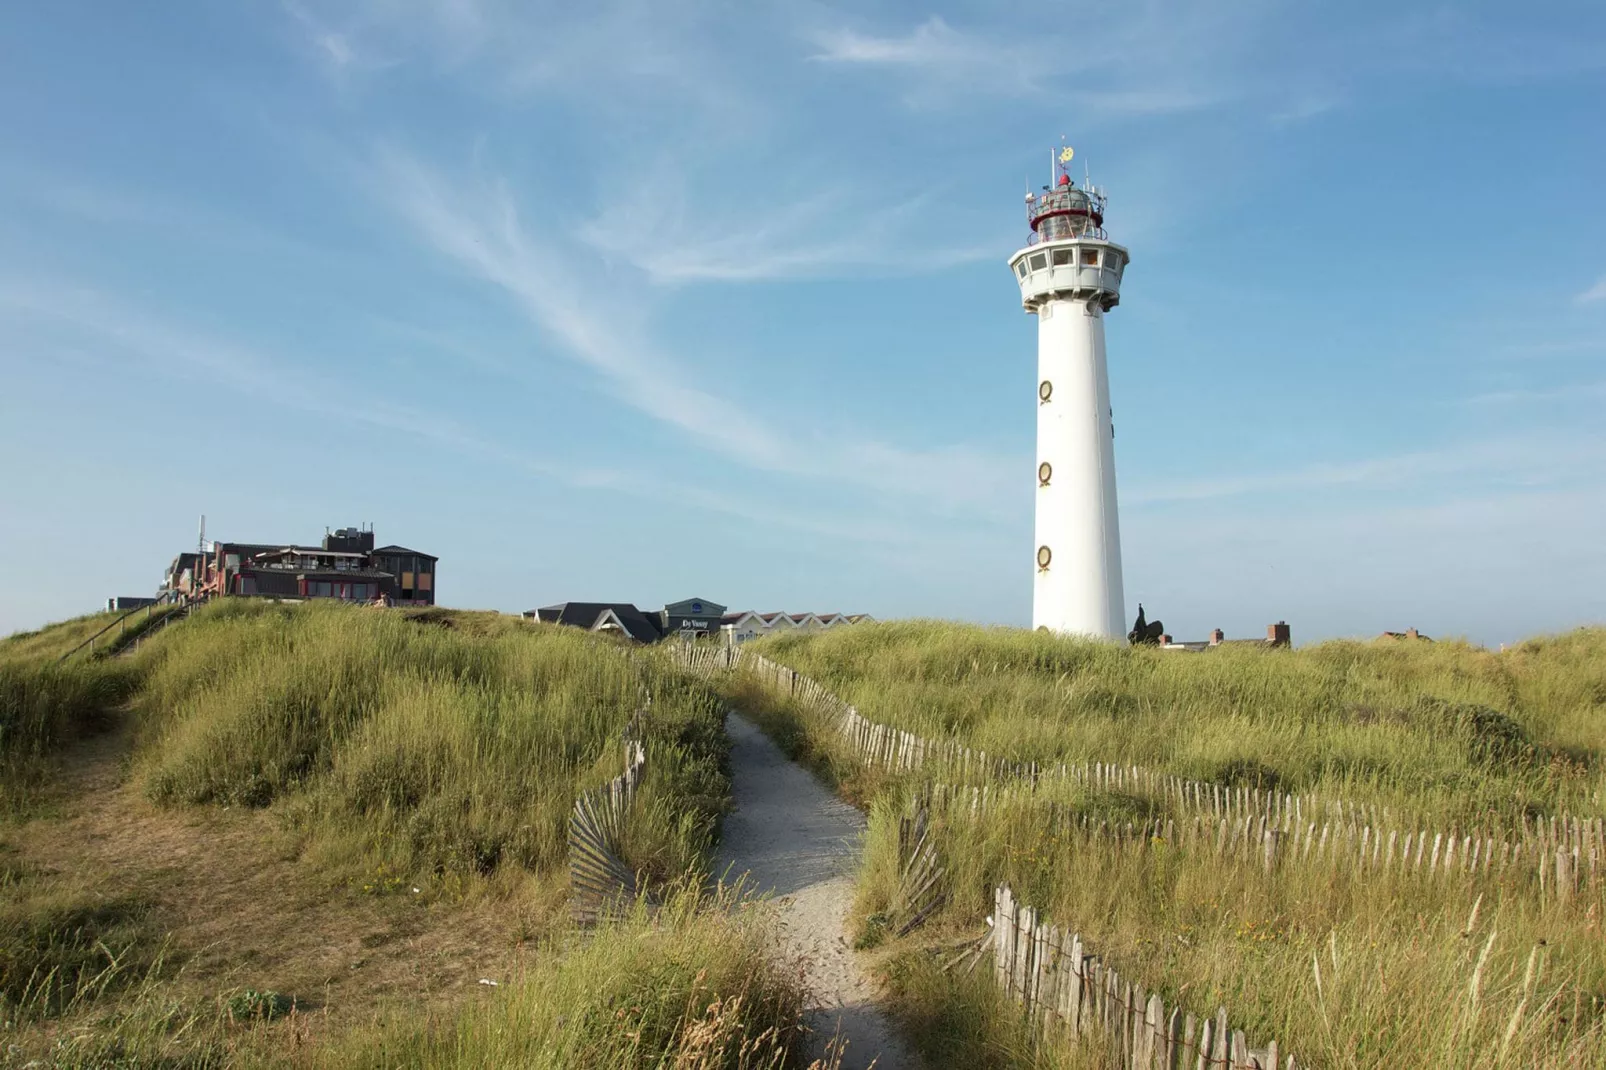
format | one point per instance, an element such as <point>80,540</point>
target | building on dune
<point>345,567</point>
<point>690,618</point>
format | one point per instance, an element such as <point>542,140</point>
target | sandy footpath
<point>800,843</point>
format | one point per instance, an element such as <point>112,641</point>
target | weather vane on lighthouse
<point>1070,276</point>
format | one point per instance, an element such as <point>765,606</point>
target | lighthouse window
<point>1039,261</point>
<point>1045,390</point>
<point>1020,269</point>
<point>1044,471</point>
<point>1044,556</point>
<point>1090,257</point>
<point>1062,257</point>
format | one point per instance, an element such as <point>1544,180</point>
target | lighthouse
<point>1070,277</point>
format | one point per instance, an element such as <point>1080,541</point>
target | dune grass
<point>1344,969</point>
<point>425,742</point>
<point>693,986</point>
<point>429,756</point>
<point>54,640</point>
<point>1443,731</point>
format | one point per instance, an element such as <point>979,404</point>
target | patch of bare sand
<point>797,840</point>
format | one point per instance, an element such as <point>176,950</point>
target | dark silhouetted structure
<point>1144,633</point>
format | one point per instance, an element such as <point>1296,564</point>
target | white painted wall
<point>1080,590</point>
<point>1067,284</point>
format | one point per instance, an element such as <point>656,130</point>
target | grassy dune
<point>694,983</point>
<point>1344,969</point>
<point>411,770</point>
<point>1441,730</point>
<point>421,741</point>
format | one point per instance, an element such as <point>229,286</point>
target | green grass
<point>692,987</point>
<point>62,945</point>
<point>1445,731</point>
<point>422,741</point>
<point>54,640</point>
<point>45,706</point>
<point>399,750</point>
<point>1411,972</point>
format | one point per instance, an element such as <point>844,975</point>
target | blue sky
<point>643,300</point>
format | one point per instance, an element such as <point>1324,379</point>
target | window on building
<point>1062,257</point>
<point>425,581</point>
<point>359,591</point>
<point>407,580</point>
<point>1020,269</point>
<point>1090,257</point>
<point>1039,261</point>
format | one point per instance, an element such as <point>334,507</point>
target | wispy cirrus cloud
<point>115,328</point>
<point>1593,294</point>
<point>109,324</point>
<point>811,230</point>
<point>932,43</point>
<point>1118,66</point>
<point>1573,392</point>
<point>477,225</point>
<point>1524,460</point>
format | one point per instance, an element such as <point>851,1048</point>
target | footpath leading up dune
<point>794,839</point>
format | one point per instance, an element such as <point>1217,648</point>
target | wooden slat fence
<point>1561,873</point>
<point>600,883</point>
<point>1065,987</point>
<point>1561,855</point>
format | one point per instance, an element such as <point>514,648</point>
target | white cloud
<point>802,229</point>
<point>933,42</point>
<point>478,227</point>
<point>1119,65</point>
<point>1525,460</point>
<point>103,323</point>
<point>1575,392</point>
<point>1595,293</point>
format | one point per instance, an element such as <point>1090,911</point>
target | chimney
<point>1278,634</point>
<point>1217,636</point>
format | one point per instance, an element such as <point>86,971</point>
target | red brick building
<point>345,567</point>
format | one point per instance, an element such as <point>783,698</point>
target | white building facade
<point>1070,277</point>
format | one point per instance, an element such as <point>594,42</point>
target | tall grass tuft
<point>689,988</point>
<point>423,740</point>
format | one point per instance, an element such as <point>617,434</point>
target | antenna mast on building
<point>200,544</point>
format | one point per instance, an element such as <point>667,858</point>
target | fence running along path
<point>1563,854</point>
<point>600,882</point>
<point>1256,841</point>
<point>1063,985</point>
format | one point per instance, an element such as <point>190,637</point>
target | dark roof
<point>404,550</point>
<point>248,547</point>
<point>586,614</point>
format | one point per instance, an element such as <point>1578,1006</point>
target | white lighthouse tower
<point>1070,276</point>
